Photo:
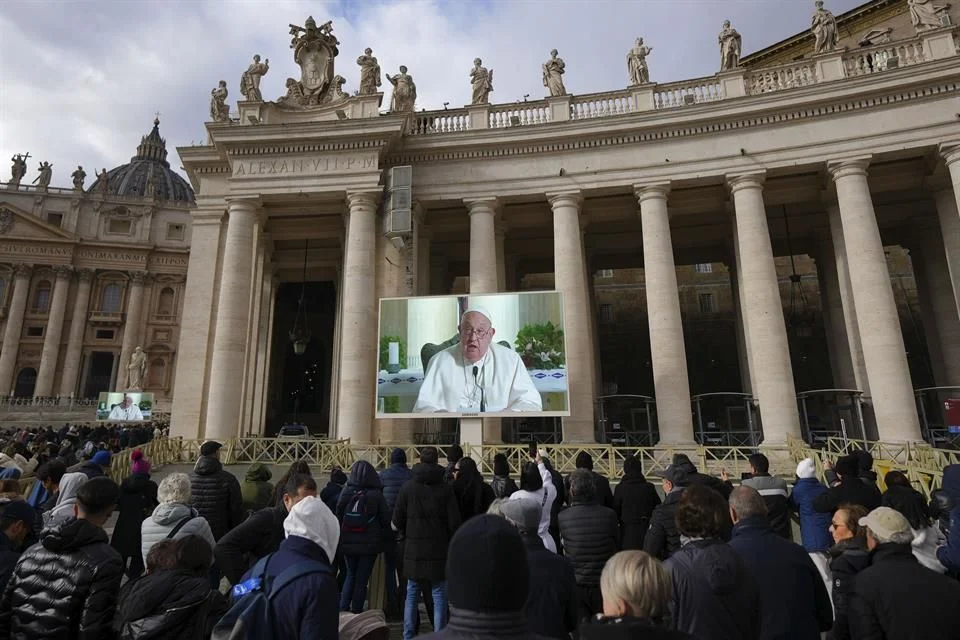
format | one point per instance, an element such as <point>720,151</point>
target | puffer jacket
<point>368,537</point>
<point>590,535</point>
<point>216,495</point>
<point>426,514</point>
<point>503,487</point>
<point>63,587</point>
<point>949,554</point>
<point>847,559</point>
<point>393,478</point>
<point>714,595</point>
<point>165,519</point>
<point>662,539</point>
<point>256,490</point>
<point>814,526</point>
<point>167,605</point>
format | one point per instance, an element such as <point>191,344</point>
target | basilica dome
<point>147,173</point>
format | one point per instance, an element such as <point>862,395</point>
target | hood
<point>162,591</point>
<point>682,462</point>
<point>137,483</point>
<point>584,461</point>
<point>426,473</point>
<point>72,535</point>
<point>951,482</point>
<point>717,563</point>
<point>258,472</point>
<point>337,476</point>
<point>207,466</point>
<point>398,456</point>
<point>170,513</point>
<point>851,544</point>
<point>500,465</point>
<point>364,476</point>
<point>69,485</point>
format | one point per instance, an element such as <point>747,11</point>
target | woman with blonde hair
<point>636,590</point>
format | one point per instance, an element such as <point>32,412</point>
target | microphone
<point>476,380</point>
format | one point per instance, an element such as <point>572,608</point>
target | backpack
<point>355,518</point>
<point>250,616</point>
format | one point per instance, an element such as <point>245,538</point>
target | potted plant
<point>541,346</point>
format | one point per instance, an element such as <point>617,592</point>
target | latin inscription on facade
<point>111,256</point>
<point>17,249</point>
<point>305,166</point>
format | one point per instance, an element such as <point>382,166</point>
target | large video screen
<point>132,406</point>
<point>451,356</point>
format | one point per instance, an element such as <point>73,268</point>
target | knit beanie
<point>140,464</point>
<point>487,568</point>
<point>101,458</point>
<point>807,468</point>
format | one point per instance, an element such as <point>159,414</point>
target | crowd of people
<point>541,555</point>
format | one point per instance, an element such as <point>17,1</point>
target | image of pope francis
<point>476,374</point>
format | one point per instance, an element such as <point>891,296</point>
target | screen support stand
<point>471,432</point>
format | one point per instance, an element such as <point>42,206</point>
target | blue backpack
<point>250,617</point>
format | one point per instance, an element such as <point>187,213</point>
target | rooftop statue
<point>404,96</point>
<point>824,27</point>
<point>314,49</point>
<point>78,177</point>
<point>482,82</point>
<point>102,180</point>
<point>637,63</point>
<point>925,14</point>
<point>46,173</point>
<point>369,72</point>
<point>219,111</point>
<point>553,70</point>
<point>730,47</point>
<point>250,80</point>
<point>19,169</point>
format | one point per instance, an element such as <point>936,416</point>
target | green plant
<point>541,346</point>
<point>384,351</point>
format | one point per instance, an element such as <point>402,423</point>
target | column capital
<point>139,277</point>
<point>489,205</point>
<point>22,270</point>
<point>63,271</point>
<point>573,198</point>
<point>852,167</point>
<point>363,199</point>
<point>243,202</point>
<point>647,191</point>
<point>950,151</point>
<point>86,275</point>
<point>755,180</point>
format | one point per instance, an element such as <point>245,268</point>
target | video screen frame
<point>106,401</point>
<point>534,318</point>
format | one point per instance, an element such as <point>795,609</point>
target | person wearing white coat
<point>536,484</point>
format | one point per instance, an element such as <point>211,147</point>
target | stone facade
<point>848,160</point>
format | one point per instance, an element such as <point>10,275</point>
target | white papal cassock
<point>449,383</point>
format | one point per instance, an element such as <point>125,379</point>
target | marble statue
<point>219,111</point>
<point>369,72</point>
<point>46,172</point>
<point>824,27</point>
<point>482,82</point>
<point>19,169</point>
<point>925,14</point>
<point>404,96</point>
<point>730,47</point>
<point>553,70</point>
<point>637,63</point>
<point>250,80</point>
<point>102,180</point>
<point>78,177</point>
<point>314,49</point>
<point>137,370</point>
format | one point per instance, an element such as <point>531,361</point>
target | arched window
<point>165,302</point>
<point>157,377</point>
<point>41,297</point>
<point>110,298</point>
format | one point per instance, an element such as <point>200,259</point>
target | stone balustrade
<point>891,55</point>
<point>688,92</point>
<point>527,113</point>
<point>40,191</point>
<point>601,105</point>
<point>786,76</point>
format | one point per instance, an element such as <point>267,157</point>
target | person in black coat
<point>297,468</point>
<point>634,500</point>
<point>551,605</point>
<point>454,453</point>
<point>261,533</point>
<point>662,539</point>
<point>215,491</point>
<point>138,499</point>
<point>682,462</point>
<point>848,557</point>
<point>66,586</point>
<point>794,601</point>
<point>330,494</point>
<point>896,596</point>
<point>590,537</point>
<point>603,494</point>
<point>365,521</point>
<point>714,595</point>
<point>474,496</point>
<point>636,601</point>
<point>393,478</point>
<point>502,484</point>
<point>426,515</point>
<point>17,520</point>
<point>850,490</point>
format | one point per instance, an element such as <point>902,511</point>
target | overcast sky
<point>80,81</point>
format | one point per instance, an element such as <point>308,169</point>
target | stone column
<point>831,298</point>
<point>358,343</point>
<point>938,290</point>
<point>570,280</point>
<point>51,337</point>
<point>11,333</point>
<point>78,327</point>
<point>771,372</point>
<point>667,350</point>
<point>948,210</point>
<point>883,351</point>
<point>740,321</point>
<point>131,326</point>
<point>500,229</point>
<point>230,332</point>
